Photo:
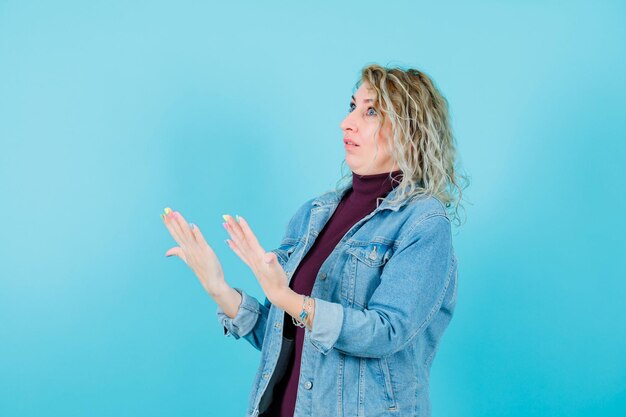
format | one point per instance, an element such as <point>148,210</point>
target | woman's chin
<point>352,166</point>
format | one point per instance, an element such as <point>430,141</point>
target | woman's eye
<point>370,111</point>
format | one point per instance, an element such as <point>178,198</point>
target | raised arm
<point>249,320</point>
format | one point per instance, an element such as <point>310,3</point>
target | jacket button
<point>277,325</point>
<point>323,275</point>
<point>308,385</point>
<point>266,375</point>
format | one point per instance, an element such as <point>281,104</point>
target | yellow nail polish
<point>225,216</point>
<point>168,210</point>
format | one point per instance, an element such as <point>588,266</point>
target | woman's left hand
<point>264,265</point>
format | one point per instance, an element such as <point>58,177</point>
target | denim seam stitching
<point>445,288</point>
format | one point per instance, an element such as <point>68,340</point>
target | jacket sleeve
<point>412,287</point>
<point>250,321</point>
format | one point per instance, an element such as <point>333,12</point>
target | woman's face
<point>359,127</point>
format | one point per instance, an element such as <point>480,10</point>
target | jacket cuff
<point>327,324</point>
<point>244,320</point>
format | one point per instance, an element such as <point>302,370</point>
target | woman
<point>364,282</point>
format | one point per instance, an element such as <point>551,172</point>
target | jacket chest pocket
<point>363,270</point>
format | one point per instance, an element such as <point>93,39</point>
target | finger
<point>183,226</point>
<point>247,231</point>
<point>236,235</point>
<point>172,229</point>
<point>235,249</point>
<point>197,233</point>
<point>176,251</point>
<point>235,230</point>
<point>269,258</point>
<point>183,238</point>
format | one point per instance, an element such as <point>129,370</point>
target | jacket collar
<point>334,197</point>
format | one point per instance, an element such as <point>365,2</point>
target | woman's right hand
<point>194,251</point>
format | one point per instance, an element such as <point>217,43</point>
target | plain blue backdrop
<point>111,111</point>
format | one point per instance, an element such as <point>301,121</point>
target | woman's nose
<point>347,124</point>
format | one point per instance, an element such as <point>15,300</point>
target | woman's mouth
<point>348,144</point>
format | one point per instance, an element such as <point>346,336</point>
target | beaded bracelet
<point>304,314</point>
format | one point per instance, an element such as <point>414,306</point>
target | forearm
<point>291,302</point>
<point>227,298</point>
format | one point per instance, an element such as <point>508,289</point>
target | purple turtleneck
<point>356,203</point>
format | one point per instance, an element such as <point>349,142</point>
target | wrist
<point>303,317</point>
<point>218,288</point>
<point>293,303</point>
<point>281,296</point>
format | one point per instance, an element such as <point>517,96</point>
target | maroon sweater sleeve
<point>356,203</point>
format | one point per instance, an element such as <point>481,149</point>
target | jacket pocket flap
<point>372,254</point>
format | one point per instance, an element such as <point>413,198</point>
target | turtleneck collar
<point>375,185</point>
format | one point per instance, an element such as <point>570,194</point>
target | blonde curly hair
<point>422,142</point>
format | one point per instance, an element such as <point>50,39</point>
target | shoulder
<point>425,216</point>
<point>305,207</point>
<point>421,208</point>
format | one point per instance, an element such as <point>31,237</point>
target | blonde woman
<point>364,282</point>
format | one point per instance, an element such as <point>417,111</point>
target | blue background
<point>110,112</point>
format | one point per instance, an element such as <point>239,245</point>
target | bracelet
<point>307,306</point>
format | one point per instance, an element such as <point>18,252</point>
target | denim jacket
<point>383,299</point>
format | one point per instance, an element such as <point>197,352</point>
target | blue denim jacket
<point>383,299</point>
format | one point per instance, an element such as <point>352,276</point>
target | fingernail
<point>226,242</point>
<point>167,210</point>
<point>237,217</point>
<point>225,225</point>
<point>192,225</point>
<point>225,217</point>
<point>162,216</point>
